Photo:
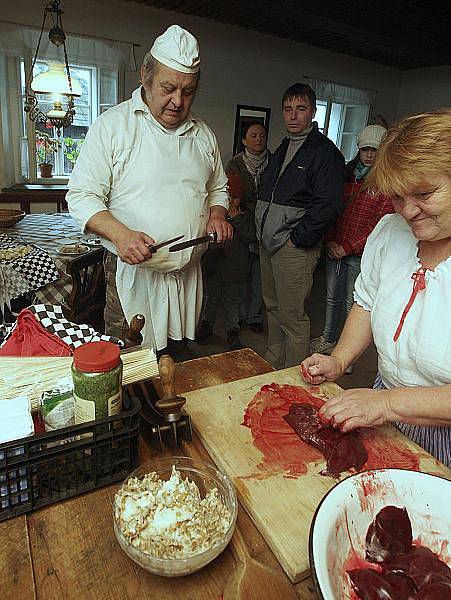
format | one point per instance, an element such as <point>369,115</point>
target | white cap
<point>371,136</point>
<point>176,48</point>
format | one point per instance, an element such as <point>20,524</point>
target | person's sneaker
<point>256,327</point>
<point>321,345</point>
<point>204,331</point>
<point>233,339</point>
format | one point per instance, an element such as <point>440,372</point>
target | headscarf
<point>255,164</point>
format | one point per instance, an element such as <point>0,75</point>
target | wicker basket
<point>10,216</point>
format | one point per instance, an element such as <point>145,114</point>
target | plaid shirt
<point>362,211</point>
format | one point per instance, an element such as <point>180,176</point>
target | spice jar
<point>97,377</point>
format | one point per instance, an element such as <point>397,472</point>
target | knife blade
<point>154,247</point>
<point>210,237</point>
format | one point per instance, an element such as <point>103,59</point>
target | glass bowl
<point>206,477</point>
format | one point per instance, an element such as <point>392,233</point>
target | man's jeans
<point>340,278</point>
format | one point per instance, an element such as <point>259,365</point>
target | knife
<point>210,237</point>
<point>154,247</point>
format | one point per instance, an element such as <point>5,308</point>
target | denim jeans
<point>340,280</point>
<point>252,302</point>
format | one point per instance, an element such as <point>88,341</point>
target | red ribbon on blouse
<point>419,283</point>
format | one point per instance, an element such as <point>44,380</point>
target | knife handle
<point>213,236</point>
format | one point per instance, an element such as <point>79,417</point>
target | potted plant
<point>45,145</point>
<point>72,149</point>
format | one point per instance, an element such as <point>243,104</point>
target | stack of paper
<point>15,419</point>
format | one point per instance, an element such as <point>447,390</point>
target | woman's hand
<point>319,368</point>
<point>357,408</point>
<point>335,251</point>
<point>234,209</point>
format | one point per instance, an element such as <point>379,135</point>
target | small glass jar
<point>97,377</point>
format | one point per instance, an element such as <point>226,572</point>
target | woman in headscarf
<point>249,165</point>
<point>402,296</point>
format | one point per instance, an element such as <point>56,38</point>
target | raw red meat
<point>343,451</point>
<point>371,585</point>
<point>389,534</point>
<point>435,591</point>
<point>421,565</point>
<point>408,572</point>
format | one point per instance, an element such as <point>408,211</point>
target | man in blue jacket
<point>300,198</point>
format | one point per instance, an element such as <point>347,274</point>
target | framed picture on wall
<point>245,115</point>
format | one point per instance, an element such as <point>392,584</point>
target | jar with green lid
<point>97,377</point>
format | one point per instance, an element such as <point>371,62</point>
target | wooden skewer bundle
<point>30,376</point>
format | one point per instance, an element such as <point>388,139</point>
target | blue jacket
<point>303,201</point>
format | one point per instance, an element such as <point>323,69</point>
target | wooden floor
<point>364,370</point>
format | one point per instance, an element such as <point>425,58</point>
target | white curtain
<point>10,121</point>
<point>328,90</point>
<point>17,40</point>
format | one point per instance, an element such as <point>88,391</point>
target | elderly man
<point>150,170</point>
<point>299,200</point>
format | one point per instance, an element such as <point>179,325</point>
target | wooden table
<point>80,287</point>
<point>68,549</point>
<point>28,194</point>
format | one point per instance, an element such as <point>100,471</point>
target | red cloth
<point>362,212</point>
<point>30,338</point>
<point>236,186</point>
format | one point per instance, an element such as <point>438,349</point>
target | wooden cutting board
<point>281,505</point>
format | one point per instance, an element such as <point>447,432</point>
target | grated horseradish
<point>169,519</point>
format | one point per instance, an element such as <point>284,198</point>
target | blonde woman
<point>402,297</point>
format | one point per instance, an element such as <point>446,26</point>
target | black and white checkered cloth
<point>51,317</point>
<point>35,270</point>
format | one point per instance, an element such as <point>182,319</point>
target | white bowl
<point>339,526</point>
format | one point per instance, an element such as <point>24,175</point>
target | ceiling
<point>405,34</point>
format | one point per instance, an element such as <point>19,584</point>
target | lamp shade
<point>54,81</point>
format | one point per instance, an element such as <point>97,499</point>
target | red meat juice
<point>284,452</point>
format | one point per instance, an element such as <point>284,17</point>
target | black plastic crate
<point>49,467</point>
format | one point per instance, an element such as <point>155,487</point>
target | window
<point>342,112</point>
<point>100,91</point>
<point>342,123</point>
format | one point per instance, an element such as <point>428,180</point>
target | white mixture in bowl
<point>169,519</point>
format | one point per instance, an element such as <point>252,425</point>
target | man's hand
<point>133,246</point>
<point>218,224</point>
<point>360,407</point>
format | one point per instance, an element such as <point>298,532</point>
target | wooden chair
<point>86,302</point>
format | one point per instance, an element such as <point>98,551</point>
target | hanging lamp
<point>56,82</point>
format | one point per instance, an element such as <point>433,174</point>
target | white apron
<point>162,190</point>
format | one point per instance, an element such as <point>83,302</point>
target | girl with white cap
<point>345,241</point>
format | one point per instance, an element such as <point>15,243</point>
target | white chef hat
<point>176,48</point>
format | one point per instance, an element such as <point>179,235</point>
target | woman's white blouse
<point>422,354</point>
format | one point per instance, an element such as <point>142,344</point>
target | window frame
<point>338,139</point>
<point>29,127</point>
